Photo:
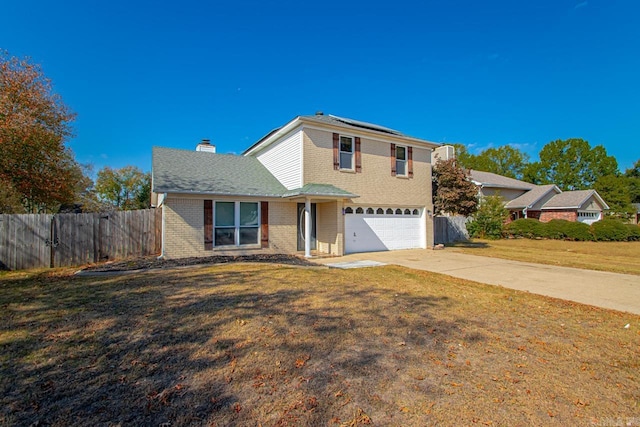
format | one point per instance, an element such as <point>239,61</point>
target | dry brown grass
<point>616,257</point>
<point>274,346</point>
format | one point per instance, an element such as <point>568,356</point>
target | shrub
<point>555,229</point>
<point>525,227</point>
<point>578,231</point>
<point>561,229</point>
<point>634,232</point>
<point>488,221</point>
<point>610,230</point>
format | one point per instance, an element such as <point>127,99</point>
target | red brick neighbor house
<point>320,184</point>
<point>542,202</point>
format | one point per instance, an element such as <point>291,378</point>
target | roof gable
<point>532,196</point>
<point>573,200</point>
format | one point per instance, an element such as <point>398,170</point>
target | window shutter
<point>264,224</point>
<point>336,153</point>
<point>393,159</point>
<point>410,160</point>
<point>358,156</point>
<point>208,224</point>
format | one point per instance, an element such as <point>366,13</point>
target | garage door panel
<point>372,232</point>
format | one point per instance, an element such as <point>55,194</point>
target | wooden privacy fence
<point>450,229</point>
<point>65,240</point>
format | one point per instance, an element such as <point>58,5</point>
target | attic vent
<point>319,113</point>
<point>205,145</point>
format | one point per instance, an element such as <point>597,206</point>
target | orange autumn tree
<point>36,167</point>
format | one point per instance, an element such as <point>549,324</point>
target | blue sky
<point>481,73</point>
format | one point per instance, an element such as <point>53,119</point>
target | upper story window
<point>401,160</point>
<point>346,152</point>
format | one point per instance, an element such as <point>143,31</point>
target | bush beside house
<point>605,230</point>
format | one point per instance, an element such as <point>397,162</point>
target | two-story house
<point>319,184</point>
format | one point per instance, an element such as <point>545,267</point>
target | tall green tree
<point>126,188</point>
<point>34,126</point>
<point>615,190</point>
<point>505,160</point>
<point>633,172</point>
<point>453,192</point>
<point>571,164</point>
<point>633,175</point>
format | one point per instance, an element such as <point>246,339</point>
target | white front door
<point>369,232</point>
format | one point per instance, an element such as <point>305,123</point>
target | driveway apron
<point>607,290</point>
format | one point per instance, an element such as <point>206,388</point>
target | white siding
<point>284,160</point>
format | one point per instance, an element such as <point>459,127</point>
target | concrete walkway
<point>608,290</point>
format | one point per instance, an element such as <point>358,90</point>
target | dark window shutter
<point>264,224</point>
<point>336,153</point>
<point>208,224</point>
<point>393,159</point>
<point>358,156</point>
<point>410,160</point>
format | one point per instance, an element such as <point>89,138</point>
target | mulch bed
<point>145,263</point>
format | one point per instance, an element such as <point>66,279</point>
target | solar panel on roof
<point>365,125</point>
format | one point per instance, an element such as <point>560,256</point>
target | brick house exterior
<point>542,202</point>
<point>320,184</point>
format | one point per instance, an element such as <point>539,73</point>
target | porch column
<point>307,228</point>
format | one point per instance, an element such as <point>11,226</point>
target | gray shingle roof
<point>198,172</point>
<point>569,199</point>
<point>489,179</point>
<point>319,190</point>
<point>531,197</point>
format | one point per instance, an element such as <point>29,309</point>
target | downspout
<point>161,203</point>
<point>524,211</point>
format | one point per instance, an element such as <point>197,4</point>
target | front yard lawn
<point>616,257</point>
<point>274,346</point>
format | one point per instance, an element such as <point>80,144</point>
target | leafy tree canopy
<point>126,188</point>
<point>615,190</point>
<point>35,167</point>
<point>452,191</point>
<point>571,164</point>
<point>505,160</point>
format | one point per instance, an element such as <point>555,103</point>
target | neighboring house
<point>543,202</point>
<point>319,183</point>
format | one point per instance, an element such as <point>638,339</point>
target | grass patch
<point>275,346</point>
<point>615,257</point>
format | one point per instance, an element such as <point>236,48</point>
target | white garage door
<point>384,229</point>
<point>589,217</point>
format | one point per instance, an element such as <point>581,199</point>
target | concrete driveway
<point>608,290</point>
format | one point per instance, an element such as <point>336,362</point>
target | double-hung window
<point>236,223</point>
<point>346,152</point>
<point>401,160</point>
